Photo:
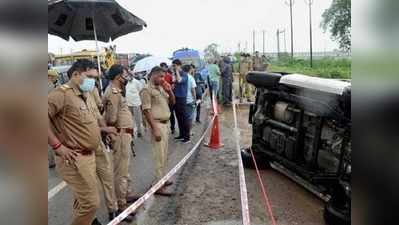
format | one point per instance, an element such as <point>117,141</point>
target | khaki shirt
<point>245,66</point>
<point>116,111</point>
<point>157,100</point>
<point>74,117</point>
<point>257,61</point>
<point>96,97</point>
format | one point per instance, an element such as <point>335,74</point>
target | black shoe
<point>172,131</point>
<point>112,215</point>
<point>51,166</point>
<point>128,219</point>
<point>179,138</point>
<point>139,135</point>
<point>197,121</point>
<point>96,222</point>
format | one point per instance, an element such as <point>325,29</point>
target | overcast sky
<point>173,24</point>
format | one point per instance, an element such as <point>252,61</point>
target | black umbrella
<point>85,19</point>
<point>98,20</point>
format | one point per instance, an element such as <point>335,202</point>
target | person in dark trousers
<point>180,91</point>
<point>169,79</point>
<point>199,92</point>
<point>227,81</point>
<point>190,103</point>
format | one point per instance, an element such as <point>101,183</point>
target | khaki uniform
<point>246,89</point>
<point>97,98</point>
<point>104,165</point>
<point>50,152</point>
<point>74,123</point>
<point>117,114</point>
<point>258,64</point>
<point>157,101</point>
<point>104,174</point>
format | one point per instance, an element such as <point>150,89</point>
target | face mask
<point>87,85</point>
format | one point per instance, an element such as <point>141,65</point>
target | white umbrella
<point>147,63</point>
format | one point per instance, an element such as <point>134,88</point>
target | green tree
<point>337,19</point>
<point>211,51</point>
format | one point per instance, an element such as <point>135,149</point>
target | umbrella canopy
<point>79,18</point>
<point>146,64</point>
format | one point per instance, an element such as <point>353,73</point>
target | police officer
<point>244,67</point>
<point>257,62</point>
<point>155,98</point>
<point>104,164</point>
<point>117,113</point>
<point>74,135</point>
<point>52,78</point>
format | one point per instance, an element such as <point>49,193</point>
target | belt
<point>125,130</point>
<point>162,121</point>
<point>81,151</point>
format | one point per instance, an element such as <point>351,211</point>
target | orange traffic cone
<point>214,141</point>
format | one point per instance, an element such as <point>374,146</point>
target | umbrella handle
<point>98,57</point>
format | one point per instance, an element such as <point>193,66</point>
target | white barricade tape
<point>160,183</point>
<point>243,185</point>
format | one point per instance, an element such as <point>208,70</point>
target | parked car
<point>302,128</point>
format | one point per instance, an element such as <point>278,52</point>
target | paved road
<point>141,169</point>
<point>207,190</point>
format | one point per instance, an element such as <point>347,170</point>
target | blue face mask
<point>87,85</point>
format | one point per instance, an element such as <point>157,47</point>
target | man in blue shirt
<point>180,91</point>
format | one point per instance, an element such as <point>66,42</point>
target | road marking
<point>243,185</point>
<point>55,190</point>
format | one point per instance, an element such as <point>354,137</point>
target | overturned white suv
<point>302,128</point>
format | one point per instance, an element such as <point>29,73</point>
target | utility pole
<point>239,46</point>
<point>290,3</point>
<point>253,42</point>
<point>285,43</point>
<point>278,43</point>
<point>310,2</point>
<point>278,40</point>
<point>263,42</point>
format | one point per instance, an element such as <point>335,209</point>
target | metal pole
<point>285,43</point>
<point>253,42</point>
<point>278,44</point>
<point>310,2</point>
<point>292,32</point>
<point>263,42</point>
<point>290,3</point>
<point>98,56</point>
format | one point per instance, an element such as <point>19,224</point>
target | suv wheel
<point>335,216</point>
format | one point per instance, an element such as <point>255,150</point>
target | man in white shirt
<point>133,89</point>
<point>190,100</point>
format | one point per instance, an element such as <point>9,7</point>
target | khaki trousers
<point>81,179</point>
<point>121,160</point>
<point>247,90</point>
<point>105,176</point>
<point>160,150</point>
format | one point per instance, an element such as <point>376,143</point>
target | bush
<point>326,67</point>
